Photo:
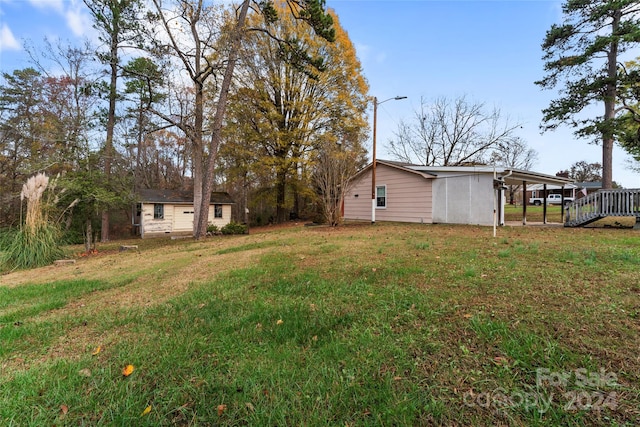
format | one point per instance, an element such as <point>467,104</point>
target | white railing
<point>603,203</point>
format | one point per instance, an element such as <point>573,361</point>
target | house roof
<point>406,167</point>
<point>180,196</point>
<point>590,185</point>
<point>511,176</point>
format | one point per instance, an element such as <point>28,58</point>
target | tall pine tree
<point>582,56</point>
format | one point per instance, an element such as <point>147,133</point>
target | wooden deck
<point>601,204</point>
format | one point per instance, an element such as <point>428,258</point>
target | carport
<point>518,177</point>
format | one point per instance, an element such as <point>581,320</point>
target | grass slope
<point>363,325</point>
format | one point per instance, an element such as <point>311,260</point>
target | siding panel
<point>409,197</point>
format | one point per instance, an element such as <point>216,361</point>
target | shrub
<point>29,248</point>
<point>234,228</point>
<point>213,229</point>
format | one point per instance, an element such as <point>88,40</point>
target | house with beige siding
<point>402,194</point>
<point>170,212</point>
<point>438,194</point>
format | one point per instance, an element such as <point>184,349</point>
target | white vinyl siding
<point>178,219</point>
<point>226,216</point>
<point>151,225</point>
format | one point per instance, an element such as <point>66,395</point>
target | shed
<point>170,212</point>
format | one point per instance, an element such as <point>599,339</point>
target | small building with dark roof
<point>171,213</point>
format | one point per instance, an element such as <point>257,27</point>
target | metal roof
<point>180,197</point>
<point>510,176</point>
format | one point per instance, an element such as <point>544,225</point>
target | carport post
<point>562,206</point>
<point>524,202</point>
<point>544,208</point>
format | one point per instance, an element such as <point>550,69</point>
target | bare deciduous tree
<point>450,133</point>
<point>333,169</point>
<point>514,154</point>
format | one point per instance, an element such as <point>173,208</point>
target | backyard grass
<point>535,214</point>
<point>360,325</point>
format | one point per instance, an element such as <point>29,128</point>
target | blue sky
<point>488,51</point>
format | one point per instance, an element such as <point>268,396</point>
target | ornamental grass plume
<point>32,190</point>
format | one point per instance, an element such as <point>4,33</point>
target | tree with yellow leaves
<point>283,113</point>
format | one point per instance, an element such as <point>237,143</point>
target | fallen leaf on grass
<point>250,406</point>
<point>499,360</point>
<point>127,370</point>
<point>86,372</point>
<point>64,409</point>
<point>221,409</point>
<point>468,316</point>
<point>96,351</point>
<point>279,322</point>
<point>146,411</point>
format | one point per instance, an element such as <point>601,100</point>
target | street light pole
<point>373,163</point>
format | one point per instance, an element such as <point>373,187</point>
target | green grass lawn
<point>361,325</point>
<point>554,215</point>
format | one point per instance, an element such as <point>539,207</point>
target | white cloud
<point>57,5</point>
<point>78,20</point>
<point>7,39</point>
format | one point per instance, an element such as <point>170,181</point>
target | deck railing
<point>603,203</point>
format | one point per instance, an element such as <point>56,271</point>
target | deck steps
<point>602,204</point>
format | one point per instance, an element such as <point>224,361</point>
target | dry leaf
<point>64,409</point>
<point>127,370</point>
<point>374,269</point>
<point>499,360</point>
<point>279,322</point>
<point>86,372</point>
<point>397,378</point>
<point>96,351</point>
<point>146,411</point>
<point>250,406</point>
<point>221,409</point>
<point>468,316</point>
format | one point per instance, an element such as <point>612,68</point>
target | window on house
<point>381,196</point>
<point>217,211</point>
<point>158,211</point>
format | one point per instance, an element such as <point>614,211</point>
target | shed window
<point>217,211</point>
<point>381,196</point>
<point>158,211</point>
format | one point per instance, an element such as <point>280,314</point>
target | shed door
<point>182,218</point>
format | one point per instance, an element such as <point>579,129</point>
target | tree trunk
<point>88,236</point>
<point>111,123</point>
<point>281,189</point>
<point>198,162</point>
<point>216,137</point>
<point>610,106</point>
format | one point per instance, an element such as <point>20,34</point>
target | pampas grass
<point>32,190</point>
<point>36,243</point>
